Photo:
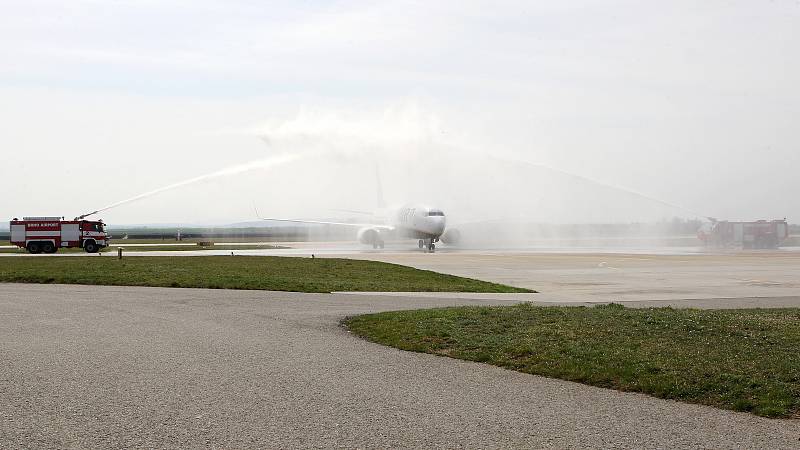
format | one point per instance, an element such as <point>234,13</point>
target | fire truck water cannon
<point>48,234</point>
<point>87,215</point>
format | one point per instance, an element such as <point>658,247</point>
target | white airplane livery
<point>425,224</point>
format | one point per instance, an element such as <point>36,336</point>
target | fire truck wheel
<point>91,247</point>
<point>33,247</point>
<point>48,247</point>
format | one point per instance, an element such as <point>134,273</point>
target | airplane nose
<point>438,225</point>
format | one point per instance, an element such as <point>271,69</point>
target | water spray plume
<point>619,188</point>
<point>406,128</point>
<point>233,170</point>
<point>401,139</point>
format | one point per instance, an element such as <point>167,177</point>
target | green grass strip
<point>239,272</point>
<point>745,360</point>
<point>160,248</point>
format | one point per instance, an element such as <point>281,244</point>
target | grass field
<point>189,248</point>
<point>239,272</point>
<point>166,247</point>
<point>745,360</point>
<point>218,240</point>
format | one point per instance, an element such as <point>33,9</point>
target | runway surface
<point>120,367</point>
<point>745,279</point>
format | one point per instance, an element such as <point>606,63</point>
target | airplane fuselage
<point>419,222</point>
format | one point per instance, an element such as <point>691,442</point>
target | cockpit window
<point>434,212</point>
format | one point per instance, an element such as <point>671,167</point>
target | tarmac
<point>123,367</point>
<point>720,280</point>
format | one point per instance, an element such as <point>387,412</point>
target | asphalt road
<point>120,367</point>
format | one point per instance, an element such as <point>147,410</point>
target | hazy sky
<point>693,102</point>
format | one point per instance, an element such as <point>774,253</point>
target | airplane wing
<point>344,224</point>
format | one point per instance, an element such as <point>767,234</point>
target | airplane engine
<point>451,236</point>
<point>370,236</point>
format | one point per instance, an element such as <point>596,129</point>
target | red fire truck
<point>48,234</point>
<point>757,234</point>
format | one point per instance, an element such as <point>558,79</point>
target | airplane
<point>426,224</point>
<point>412,221</point>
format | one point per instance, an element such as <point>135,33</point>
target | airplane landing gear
<point>428,245</point>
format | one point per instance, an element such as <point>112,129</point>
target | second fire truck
<point>759,234</point>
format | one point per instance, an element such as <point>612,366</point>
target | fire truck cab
<point>48,234</point>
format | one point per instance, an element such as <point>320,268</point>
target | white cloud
<point>690,102</point>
